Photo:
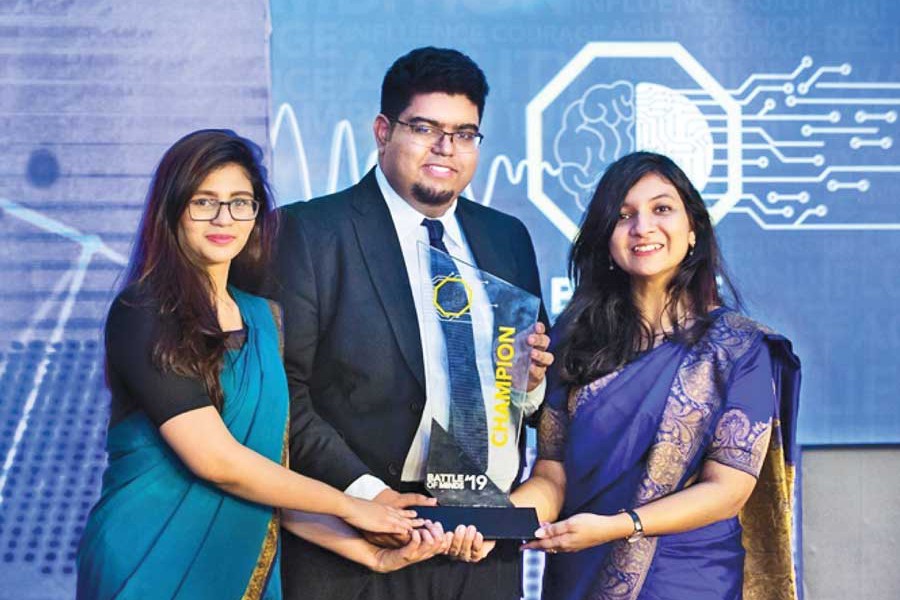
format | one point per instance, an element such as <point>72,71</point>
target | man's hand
<point>468,545</point>
<point>397,500</point>
<point>540,358</point>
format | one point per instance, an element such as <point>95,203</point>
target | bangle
<point>638,533</point>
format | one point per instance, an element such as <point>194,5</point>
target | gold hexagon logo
<point>451,314</point>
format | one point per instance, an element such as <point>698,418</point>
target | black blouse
<point>135,382</point>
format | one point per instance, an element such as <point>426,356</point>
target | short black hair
<point>428,70</point>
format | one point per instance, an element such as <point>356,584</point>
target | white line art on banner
<point>764,150</point>
<point>65,292</point>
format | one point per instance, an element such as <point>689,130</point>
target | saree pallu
<point>643,432</point>
<point>158,531</point>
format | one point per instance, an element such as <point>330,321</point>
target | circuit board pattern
<point>816,143</point>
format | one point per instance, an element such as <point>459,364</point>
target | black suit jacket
<point>353,354</point>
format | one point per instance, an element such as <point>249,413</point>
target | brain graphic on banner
<point>607,120</point>
<point>610,120</point>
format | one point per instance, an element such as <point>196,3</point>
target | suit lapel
<point>486,245</point>
<point>384,261</point>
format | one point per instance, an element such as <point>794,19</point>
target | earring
<point>691,251</point>
<point>612,266</point>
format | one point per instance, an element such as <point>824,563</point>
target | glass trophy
<point>482,323</point>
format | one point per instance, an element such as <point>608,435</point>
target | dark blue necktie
<point>468,422</point>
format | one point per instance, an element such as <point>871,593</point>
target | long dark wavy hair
<point>190,341</point>
<point>602,328</point>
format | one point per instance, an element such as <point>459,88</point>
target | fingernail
<point>540,533</point>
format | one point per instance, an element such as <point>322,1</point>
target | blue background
<point>93,92</point>
<point>827,282</point>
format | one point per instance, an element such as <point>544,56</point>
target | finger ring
<point>551,550</point>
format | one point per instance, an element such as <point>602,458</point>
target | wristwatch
<point>638,533</point>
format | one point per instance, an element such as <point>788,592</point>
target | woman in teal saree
<point>667,441</point>
<point>197,440</point>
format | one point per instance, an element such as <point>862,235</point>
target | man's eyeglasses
<point>427,135</point>
<point>207,209</point>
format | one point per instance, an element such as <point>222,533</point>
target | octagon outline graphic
<point>437,303</point>
<point>534,151</point>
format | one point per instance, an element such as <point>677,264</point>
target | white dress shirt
<point>411,233</point>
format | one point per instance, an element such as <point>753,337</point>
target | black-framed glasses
<point>207,209</point>
<point>425,134</point>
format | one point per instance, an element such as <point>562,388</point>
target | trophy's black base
<point>494,523</point>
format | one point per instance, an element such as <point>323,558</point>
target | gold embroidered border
<point>695,397</point>
<point>278,317</point>
<point>767,520</point>
<point>552,434</point>
<point>621,580</point>
<point>260,575</point>
<point>738,444</point>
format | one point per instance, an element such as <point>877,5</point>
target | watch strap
<point>638,532</point>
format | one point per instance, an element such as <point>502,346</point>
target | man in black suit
<point>365,382</point>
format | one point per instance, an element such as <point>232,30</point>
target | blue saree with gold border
<point>158,531</point>
<point>642,432</point>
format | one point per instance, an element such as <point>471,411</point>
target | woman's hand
<point>391,498</point>
<point>579,532</point>
<point>469,545</point>
<point>379,518</point>
<point>424,544</point>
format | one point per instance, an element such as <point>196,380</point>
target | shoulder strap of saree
<point>262,576</point>
<point>258,310</point>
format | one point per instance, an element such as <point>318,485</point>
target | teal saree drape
<point>158,531</point>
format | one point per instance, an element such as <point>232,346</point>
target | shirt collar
<point>408,221</point>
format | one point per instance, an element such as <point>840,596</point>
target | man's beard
<point>431,197</point>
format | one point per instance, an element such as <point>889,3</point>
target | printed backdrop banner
<point>784,115</point>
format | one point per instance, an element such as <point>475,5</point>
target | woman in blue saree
<point>667,442</point>
<point>197,440</point>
